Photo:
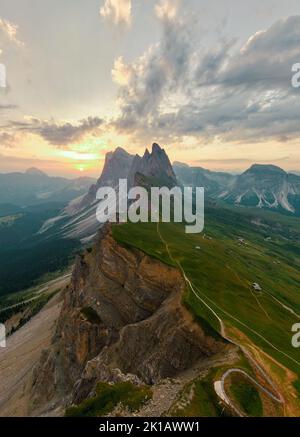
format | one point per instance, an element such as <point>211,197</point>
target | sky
<point>209,81</point>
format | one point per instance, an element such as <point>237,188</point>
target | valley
<point>186,323</point>
<point>25,345</point>
<point>150,216</point>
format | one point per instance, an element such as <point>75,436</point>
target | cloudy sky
<point>209,80</point>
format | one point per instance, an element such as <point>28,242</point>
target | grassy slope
<point>199,399</point>
<point>246,396</point>
<point>109,396</point>
<point>223,272</point>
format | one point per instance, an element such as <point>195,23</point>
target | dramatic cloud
<point>178,88</point>
<point>267,57</point>
<point>59,134</point>
<point>117,11</point>
<point>161,70</point>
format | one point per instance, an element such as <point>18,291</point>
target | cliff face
<point>121,165</point>
<point>122,318</point>
<point>154,165</point>
<point>117,166</point>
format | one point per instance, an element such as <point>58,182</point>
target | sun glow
<point>78,156</point>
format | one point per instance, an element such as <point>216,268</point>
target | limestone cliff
<point>122,318</point>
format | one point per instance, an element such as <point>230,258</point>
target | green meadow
<point>222,270</point>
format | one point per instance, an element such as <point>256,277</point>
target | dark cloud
<point>59,134</point>
<point>68,133</point>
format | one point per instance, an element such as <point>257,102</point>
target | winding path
<point>290,310</point>
<point>220,389</point>
<point>219,385</point>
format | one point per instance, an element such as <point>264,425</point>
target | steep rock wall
<point>122,318</point>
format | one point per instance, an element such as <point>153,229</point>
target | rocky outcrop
<point>154,165</point>
<point>78,220</point>
<point>122,318</point>
<point>117,166</point>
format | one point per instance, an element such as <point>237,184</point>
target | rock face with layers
<point>154,165</point>
<point>122,319</point>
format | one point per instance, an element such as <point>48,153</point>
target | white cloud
<point>167,9</point>
<point>8,35</point>
<point>121,72</point>
<point>117,11</point>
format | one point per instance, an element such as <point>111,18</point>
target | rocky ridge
<point>122,319</point>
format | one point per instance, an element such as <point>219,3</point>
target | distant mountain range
<point>35,187</point>
<point>38,212</point>
<point>263,186</point>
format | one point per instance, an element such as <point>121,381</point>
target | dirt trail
<point>220,389</point>
<point>219,385</point>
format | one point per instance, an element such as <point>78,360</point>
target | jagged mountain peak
<point>156,148</point>
<point>266,186</point>
<point>154,165</point>
<point>120,151</point>
<point>119,164</point>
<point>261,185</point>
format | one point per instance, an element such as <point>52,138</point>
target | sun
<point>80,167</point>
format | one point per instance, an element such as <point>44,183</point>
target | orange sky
<point>85,80</point>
